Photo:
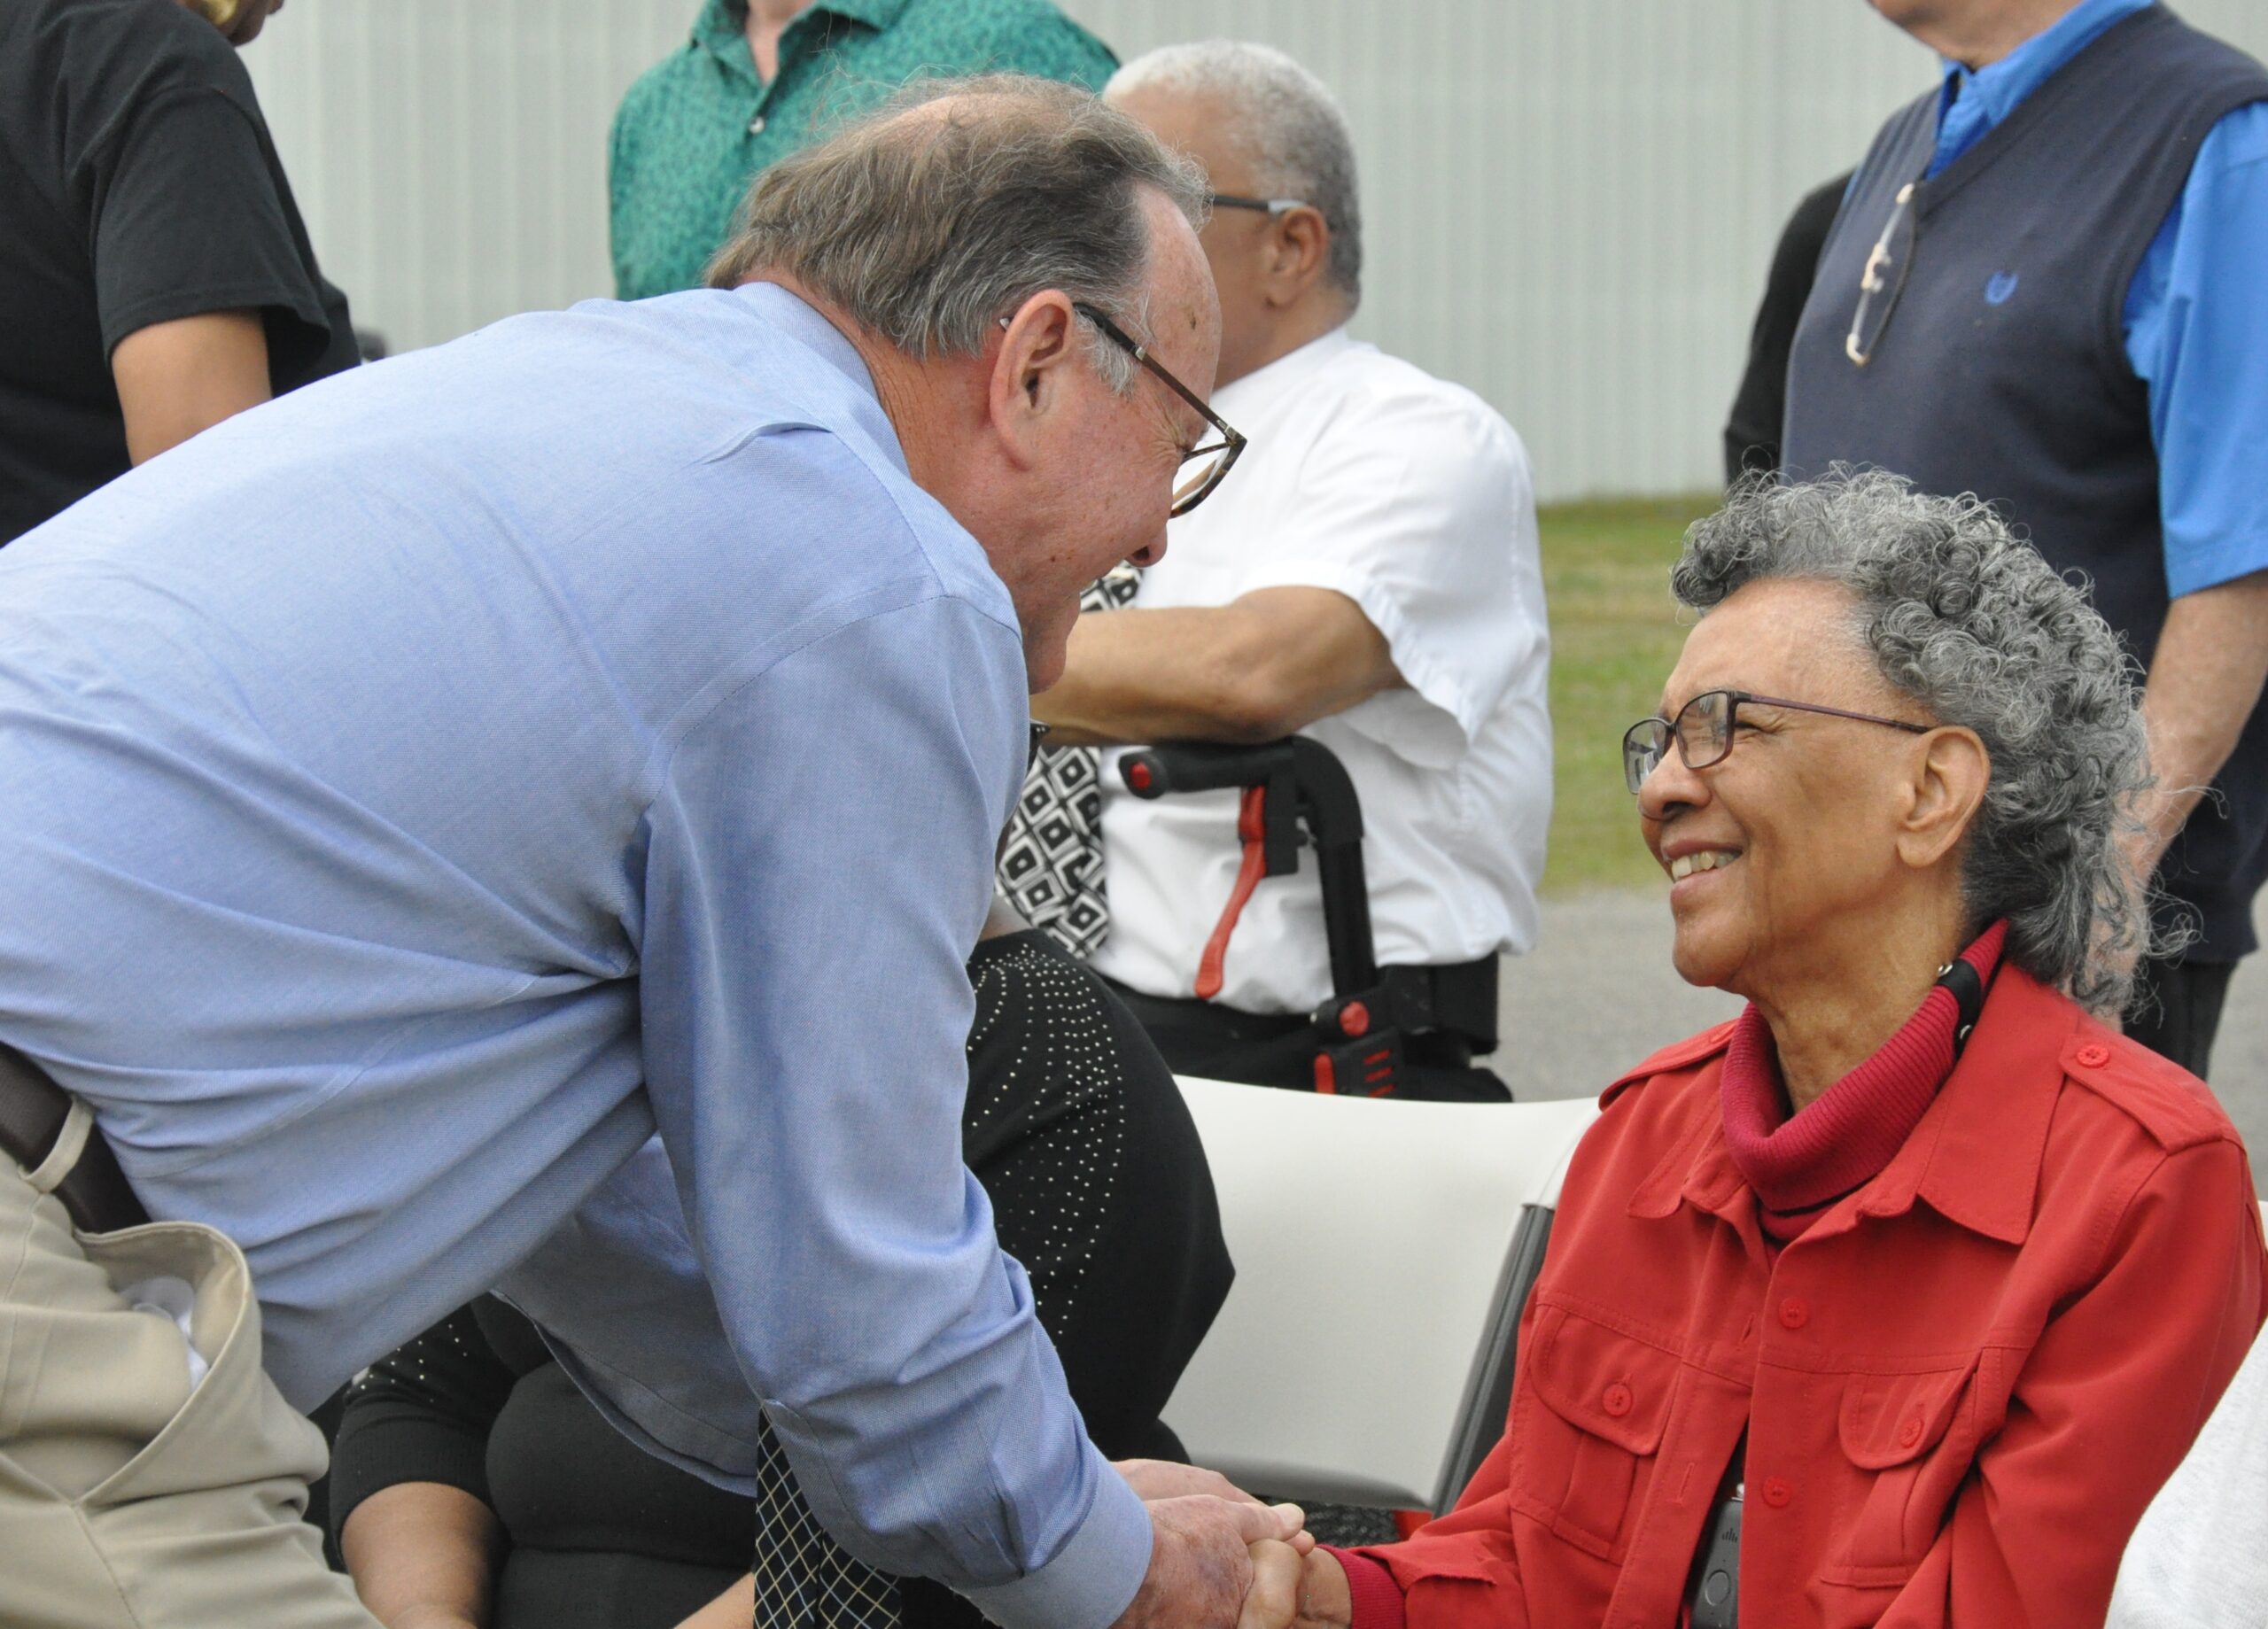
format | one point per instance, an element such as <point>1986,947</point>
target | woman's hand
<point>1294,1591</point>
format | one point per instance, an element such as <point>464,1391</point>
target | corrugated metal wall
<point>1570,202</point>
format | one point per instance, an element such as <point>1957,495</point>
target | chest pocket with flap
<point>1583,1457</point>
<point>1910,1439</point>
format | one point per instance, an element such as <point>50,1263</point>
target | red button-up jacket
<point>1960,1386</point>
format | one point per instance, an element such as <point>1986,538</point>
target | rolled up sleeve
<point>2197,332</point>
<point>1420,508</point>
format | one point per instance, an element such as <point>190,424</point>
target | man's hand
<point>1200,1561</point>
<point>1162,1478</point>
<point>2205,679</point>
<point>1292,1591</point>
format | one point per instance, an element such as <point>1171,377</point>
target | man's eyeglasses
<point>1704,731</point>
<point>1204,467</point>
<point>1271,206</point>
<point>1883,279</point>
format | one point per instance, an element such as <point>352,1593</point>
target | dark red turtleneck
<point>1800,1164</point>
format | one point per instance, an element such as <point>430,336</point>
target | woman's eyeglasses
<point>1704,731</point>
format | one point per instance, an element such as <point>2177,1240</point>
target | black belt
<point>32,1109</point>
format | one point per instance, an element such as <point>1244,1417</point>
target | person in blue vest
<point>2044,286</point>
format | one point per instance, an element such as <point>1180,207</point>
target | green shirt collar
<point>722,26</point>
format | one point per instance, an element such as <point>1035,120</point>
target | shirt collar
<point>803,323</point>
<point>721,28</point>
<point>1975,1157</point>
<point>1284,372</point>
<point>1998,87</point>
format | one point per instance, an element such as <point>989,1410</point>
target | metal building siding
<point>1569,203</point>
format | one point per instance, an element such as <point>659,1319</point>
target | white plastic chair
<point>1383,1251</point>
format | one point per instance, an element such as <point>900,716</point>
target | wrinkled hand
<point>1291,1590</point>
<point>1161,1478</point>
<point>1200,1560</point>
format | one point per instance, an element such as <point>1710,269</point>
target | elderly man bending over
<point>1368,575</point>
<point>420,791</point>
<point>1894,1300</point>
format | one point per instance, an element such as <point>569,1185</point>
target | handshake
<point>1223,1560</point>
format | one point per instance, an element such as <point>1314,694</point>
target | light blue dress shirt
<point>2196,318</point>
<point>418,792</point>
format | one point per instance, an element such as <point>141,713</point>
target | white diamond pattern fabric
<point>803,1579</point>
<point>1050,866</point>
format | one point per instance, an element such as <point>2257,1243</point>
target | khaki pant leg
<point>127,1499</point>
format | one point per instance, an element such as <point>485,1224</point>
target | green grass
<point>1615,634</point>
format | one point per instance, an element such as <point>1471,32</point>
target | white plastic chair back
<point>1371,1241</point>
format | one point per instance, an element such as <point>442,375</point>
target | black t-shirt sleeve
<point>1753,429</point>
<point>187,218</point>
<point>420,1414</point>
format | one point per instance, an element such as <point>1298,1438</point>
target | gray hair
<point>1285,122</point>
<point>932,217</point>
<point>1977,629</point>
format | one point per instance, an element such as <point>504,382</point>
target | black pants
<point>2177,1010</point>
<point>1272,1048</point>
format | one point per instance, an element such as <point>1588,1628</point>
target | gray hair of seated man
<point>1285,122</point>
<point>956,202</point>
<point>1979,631</point>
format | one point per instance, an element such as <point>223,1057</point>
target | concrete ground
<point>1599,994</point>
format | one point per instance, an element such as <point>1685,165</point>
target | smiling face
<point>1791,856</point>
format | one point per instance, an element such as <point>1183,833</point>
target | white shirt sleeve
<point>1417,506</point>
<point>2200,1558</point>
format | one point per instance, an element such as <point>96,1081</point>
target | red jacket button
<point>1794,1313</point>
<point>1777,1493</point>
<point>2093,1055</point>
<point>1617,1401</point>
<point>1910,1433</point>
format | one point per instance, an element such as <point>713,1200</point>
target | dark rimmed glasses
<point>1203,467</point>
<point>1704,731</point>
<point>1883,279</point>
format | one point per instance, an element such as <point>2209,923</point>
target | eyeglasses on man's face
<point>1270,206</point>
<point>1704,729</point>
<point>1203,467</point>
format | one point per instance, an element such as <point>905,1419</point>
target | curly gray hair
<point>1974,626</point>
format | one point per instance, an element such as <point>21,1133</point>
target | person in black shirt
<point>155,276</point>
<point>1753,429</point>
<point>474,1487</point>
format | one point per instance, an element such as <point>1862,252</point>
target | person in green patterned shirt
<point>760,79</point>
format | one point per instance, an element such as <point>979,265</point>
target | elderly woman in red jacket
<point>1893,1301</point>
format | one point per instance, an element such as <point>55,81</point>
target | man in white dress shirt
<point>1367,578</point>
